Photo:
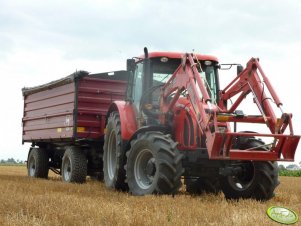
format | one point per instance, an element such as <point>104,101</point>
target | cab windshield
<point>162,71</point>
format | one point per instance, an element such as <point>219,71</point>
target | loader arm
<point>186,78</point>
<point>251,80</point>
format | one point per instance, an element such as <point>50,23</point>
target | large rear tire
<point>202,185</point>
<point>74,165</point>
<point>38,163</point>
<point>258,180</point>
<point>114,155</point>
<point>154,165</point>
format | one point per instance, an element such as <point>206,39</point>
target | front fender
<point>128,117</point>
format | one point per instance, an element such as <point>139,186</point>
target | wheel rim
<point>144,169</point>
<point>112,155</point>
<point>32,166</point>
<point>67,169</point>
<point>244,181</point>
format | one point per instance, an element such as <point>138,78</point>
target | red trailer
<point>65,119</point>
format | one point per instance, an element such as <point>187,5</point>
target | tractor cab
<point>152,71</point>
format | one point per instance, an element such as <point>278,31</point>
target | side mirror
<point>240,68</point>
<point>130,65</point>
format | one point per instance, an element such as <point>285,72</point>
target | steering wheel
<point>151,109</point>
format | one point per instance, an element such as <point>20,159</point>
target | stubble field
<point>28,201</point>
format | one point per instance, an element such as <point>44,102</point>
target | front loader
<point>177,123</point>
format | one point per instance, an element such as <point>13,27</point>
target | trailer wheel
<point>114,155</point>
<point>258,180</point>
<point>154,165</point>
<point>74,165</point>
<point>202,185</point>
<point>38,163</point>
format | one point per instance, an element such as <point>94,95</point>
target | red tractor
<point>176,123</point>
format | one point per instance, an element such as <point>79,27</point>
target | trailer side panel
<point>48,114</point>
<point>94,98</point>
<point>71,108</point>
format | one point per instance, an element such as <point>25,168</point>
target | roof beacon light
<point>208,62</point>
<point>164,59</point>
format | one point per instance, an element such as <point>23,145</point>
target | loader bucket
<point>282,148</point>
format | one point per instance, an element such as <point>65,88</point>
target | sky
<point>41,41</point>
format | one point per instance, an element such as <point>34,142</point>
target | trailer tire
<point>114,157</point>
<point>38,163</point>
<point>154,165</point>
<point>258,181</point>
<point>74,165</point>
<point>202,185</point>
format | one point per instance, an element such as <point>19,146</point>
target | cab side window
<point>137,92</point>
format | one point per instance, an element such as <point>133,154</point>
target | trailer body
<point>71,108</point>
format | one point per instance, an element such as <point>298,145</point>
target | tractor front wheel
<point>154,165</point>
<point>258,179</point>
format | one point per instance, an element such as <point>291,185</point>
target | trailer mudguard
<point>128,117</point>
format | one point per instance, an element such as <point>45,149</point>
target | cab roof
<point>178,55</point>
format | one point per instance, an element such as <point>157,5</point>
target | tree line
<point>11,161</point>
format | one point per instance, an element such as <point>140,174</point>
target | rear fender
<point>128,117</point>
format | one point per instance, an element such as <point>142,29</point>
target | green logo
<point>282,215</point>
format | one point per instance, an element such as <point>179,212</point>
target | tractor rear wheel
<point>258,180</point>
<point>74,165</point>
<point>154,165</point>
<point>202,185</point>
<point>114,155</point>
<point>38,163</point>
